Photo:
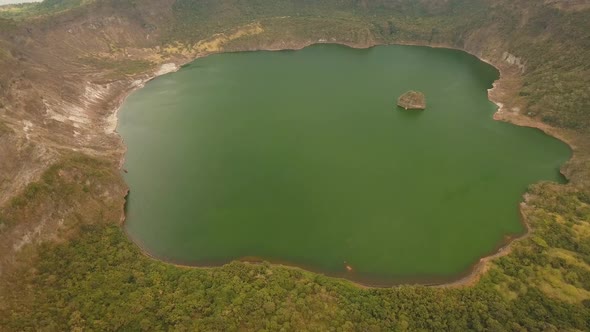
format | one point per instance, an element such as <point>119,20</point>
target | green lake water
<point>303,158</point>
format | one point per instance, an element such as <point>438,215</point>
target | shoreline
<point>495,94</point>
<point>463,279</point>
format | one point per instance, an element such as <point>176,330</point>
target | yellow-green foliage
<point>117,68</point>
<point>301,30</point>
<point>16,11</point>
<point>99,277</point>
<point>77,179</point>
<point>556,258</point>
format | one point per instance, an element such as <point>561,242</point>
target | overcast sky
<point>6,2</point>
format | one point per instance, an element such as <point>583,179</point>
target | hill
<point>65,263</point>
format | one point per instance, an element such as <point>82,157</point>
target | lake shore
<point>502,94</point>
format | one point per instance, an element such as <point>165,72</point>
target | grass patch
<point>117,68</point>
<point>77,178</point>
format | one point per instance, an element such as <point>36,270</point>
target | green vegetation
<point>77,178</point>
<point>554,43</point>
<point>117,68</point>
<point>100,281</point>
<point>556,47</point>
<point>16,11</point>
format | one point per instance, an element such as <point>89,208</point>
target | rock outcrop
<point>412,100</point>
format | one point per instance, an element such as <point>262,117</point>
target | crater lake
<point>303,158</point>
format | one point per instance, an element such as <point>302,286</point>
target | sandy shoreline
<point>498,94</point>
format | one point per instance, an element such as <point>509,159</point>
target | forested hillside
<point>66,264</point>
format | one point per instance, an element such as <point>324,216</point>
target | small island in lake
<point>412,100</point>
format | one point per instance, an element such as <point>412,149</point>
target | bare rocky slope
<point>66,67</point>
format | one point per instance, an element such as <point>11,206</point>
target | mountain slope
<point>65,65</point>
